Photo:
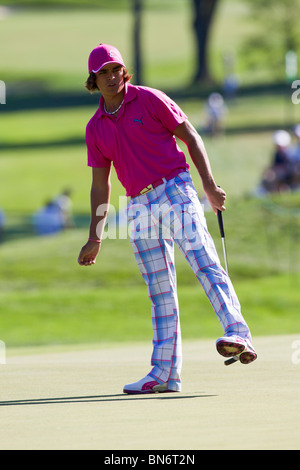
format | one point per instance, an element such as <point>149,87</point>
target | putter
<point>235,358</point>
<point>231,360</point>
<point>221,227</point>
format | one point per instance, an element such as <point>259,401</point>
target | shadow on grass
<point>43,98</point>
<point>101,398</point>
<point>46,99</point>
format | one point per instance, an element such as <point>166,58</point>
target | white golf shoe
<point>237,348</point>
<point>146,385</point>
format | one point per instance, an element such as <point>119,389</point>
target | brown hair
<point>91,85</point>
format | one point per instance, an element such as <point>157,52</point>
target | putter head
<point>231,360</point>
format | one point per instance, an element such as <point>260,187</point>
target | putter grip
<point>221,226</point>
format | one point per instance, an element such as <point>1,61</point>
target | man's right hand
<point>88,253</point>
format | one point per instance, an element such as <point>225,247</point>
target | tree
<point>278,34</point>
<point>137,6</point>
<point>203,11</point>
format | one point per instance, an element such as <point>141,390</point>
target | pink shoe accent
<point>148,386</point>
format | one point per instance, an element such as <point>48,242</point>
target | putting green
<point>71,398</point>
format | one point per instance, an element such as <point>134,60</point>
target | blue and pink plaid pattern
<point>172,213</point>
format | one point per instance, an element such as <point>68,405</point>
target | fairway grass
<point>104,315</point>
<point>47,298</point>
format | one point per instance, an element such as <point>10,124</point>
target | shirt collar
<point>130,95</point>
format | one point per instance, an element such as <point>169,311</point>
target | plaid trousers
<point>172,213</point>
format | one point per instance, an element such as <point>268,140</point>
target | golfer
<point>135,129</point>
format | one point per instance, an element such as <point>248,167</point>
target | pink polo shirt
<point>139,141</point>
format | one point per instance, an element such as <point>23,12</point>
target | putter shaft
<point>222,232</point>
<point>225,254</point>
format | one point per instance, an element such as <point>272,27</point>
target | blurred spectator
<point>296,149</point>
<point>278,177</point>
<point>55,216</point>
<point>2,224</point>
<point>48,220</point>
<point>216,110</point>
<point>231,81</point>
<point>230,86</point>
<point>295,158</point>
<point>64,203</point>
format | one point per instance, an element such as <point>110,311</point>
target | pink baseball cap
<point>102,55</point>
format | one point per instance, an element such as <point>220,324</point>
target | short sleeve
<point>167,111</point>
<point>95,157</point>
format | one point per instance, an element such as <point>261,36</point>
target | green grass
<point>58,59</point>
<point>63,62</point>
<point>45,296</point>
<point>60,316</point>
<point>43,165</point>
<point>59,124</point>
